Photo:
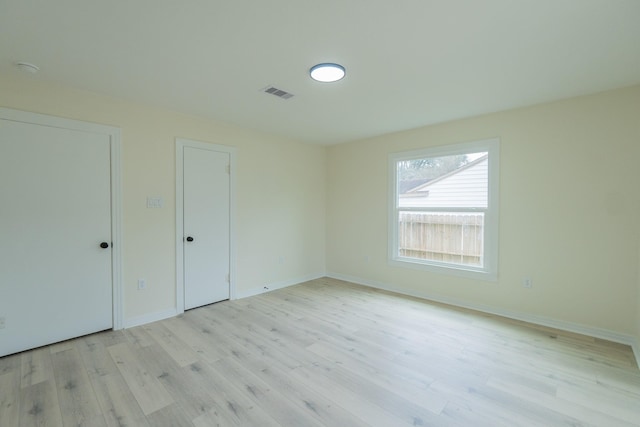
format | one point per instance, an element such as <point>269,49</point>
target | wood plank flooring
<point>324,353</point>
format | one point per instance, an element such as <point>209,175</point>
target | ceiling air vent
<point>278,92</point>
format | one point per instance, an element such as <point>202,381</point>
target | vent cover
<point>278,92</point>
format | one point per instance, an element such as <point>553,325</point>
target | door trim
<point>180,144</point>
<point>114,135</point>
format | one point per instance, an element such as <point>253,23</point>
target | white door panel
<point>206,221</point>
<point>55,210</point>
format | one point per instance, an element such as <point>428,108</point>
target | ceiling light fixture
<point>327,72</point>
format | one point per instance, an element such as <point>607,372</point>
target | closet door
<point>55,235</point>
<point>206,219</point>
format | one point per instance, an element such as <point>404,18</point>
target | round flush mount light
<point>27,67</point>
<point>327,72</point>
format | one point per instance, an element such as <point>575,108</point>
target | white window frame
<point>489,270</point>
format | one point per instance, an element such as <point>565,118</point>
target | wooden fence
<point>447,237</point>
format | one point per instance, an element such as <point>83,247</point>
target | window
<point>444,209</point>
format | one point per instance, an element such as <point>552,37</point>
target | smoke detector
<point>27,67</point>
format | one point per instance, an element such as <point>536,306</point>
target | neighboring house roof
<point>463,187</point>
<point>404,186</point>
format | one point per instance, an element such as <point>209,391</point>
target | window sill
<point>446,269</point>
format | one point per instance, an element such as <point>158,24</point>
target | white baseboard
<point>172,312</point>
<point>591,331</point>
<point>278,285</point>
<point>151,317</point>
<point>635,346</point>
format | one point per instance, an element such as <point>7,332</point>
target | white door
<point>55,214</point>
<point>206,215</point>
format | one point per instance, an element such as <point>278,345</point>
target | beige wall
<point>569,203</point>
<point>280,192</point>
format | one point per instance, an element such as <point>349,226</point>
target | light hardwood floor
<point>324,353</point>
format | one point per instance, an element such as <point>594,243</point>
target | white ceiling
<point>409,63</point>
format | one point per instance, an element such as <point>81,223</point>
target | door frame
<point>114,135</point>
<point>181,143</point>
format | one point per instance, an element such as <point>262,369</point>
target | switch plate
<point>142,284</point>
<point>154,202</point>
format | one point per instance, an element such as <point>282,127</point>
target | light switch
<point>154,202</point>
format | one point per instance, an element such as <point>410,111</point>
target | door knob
<point>189,239</point>
<point>104,245</point>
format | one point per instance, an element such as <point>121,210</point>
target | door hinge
<point>228,169</point>
<point>227,278</point>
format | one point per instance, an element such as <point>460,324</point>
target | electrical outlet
<point>527,283</point>
<point>142,284</point>
<point>3,322</point>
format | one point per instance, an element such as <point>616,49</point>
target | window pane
<point>443,215</point>
<point>449,237</point>
<point>445,182</point>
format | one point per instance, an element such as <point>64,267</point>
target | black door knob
<point>104,245</point>
<point>189,239</point>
